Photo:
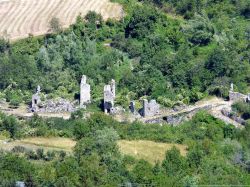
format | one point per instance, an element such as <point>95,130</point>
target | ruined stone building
<point>150,108</point>
<point>132,107</point>
<point>36,100</point>
<point>109,96</point>
<point>85,97</point>
<point>236,96</point>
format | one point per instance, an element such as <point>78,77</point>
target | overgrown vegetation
<point>216,154</point>
<point>243,109</point>
<point>168,50</point>
<point>173,51</point>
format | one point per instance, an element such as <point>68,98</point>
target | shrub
<point>30,154</point>
<point>242,108</point>
<point>50,155</point>
<point>40,153</point>
<point>19,149</point>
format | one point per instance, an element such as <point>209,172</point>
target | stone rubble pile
<point>233,116</point>
<point>56,106</point>
<point>117,110</point>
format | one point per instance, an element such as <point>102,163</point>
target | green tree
<point>55,25</point>
<point>141,23</point>
<point>199,30</point>
<point>174,163</point>
<point>142,173</point>
<point>67,172</point>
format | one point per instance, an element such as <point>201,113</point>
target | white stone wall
<point>85,90</point>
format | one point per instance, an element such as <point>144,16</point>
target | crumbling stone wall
<point>50,106</point>
<point>36,100</point>
<point>109,97</point>
<point>233,116</point>
<point>150,108</point>
<point>132,107</point>
<point>236,96</point>
<point>56,106</point>
<point>85,97</point>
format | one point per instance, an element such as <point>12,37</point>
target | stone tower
<point>150,108</point>
<point>36,100</point>
<point>84,92</point>
<point>109,96</point>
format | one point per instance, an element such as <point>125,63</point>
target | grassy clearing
<point>140,149</point>
<point>34,143</point>
<point>148,150</point>
<point>55,142</point>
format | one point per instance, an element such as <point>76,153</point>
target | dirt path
<point>216,104</point>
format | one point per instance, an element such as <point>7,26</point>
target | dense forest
<point>170,50</point>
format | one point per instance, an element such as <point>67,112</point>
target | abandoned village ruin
<point>150,109</point>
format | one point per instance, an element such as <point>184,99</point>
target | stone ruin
<point>56,106</point>
<point>109,97</point>
<point>150,108</point>
<point>36,100</point>
<point>51,105</point>
<point>236,96</point>
<point>232,115</point>
<point>62,105</point>
<point>132,107</point>
<point>85,97</point>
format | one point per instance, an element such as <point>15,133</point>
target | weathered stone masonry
<point>36,100</point>
<point>150,108</point>
<point>109,97</point>
<point>85,97</point>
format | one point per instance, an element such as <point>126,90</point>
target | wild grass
<point>148,150</point>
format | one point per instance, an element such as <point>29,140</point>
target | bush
<point>10,124</point>
<point>4,134</point>
<point>62,155</point>
<point>30,154</point>
<point>243,109</point>
<point>19,149</point>
<point>15,102</point>
<point>40,153</point>
<point>50,155</point>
